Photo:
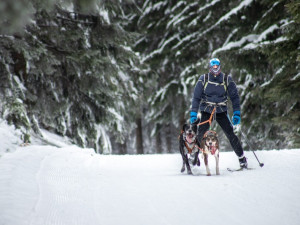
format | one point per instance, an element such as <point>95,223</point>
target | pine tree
<point>73,70</point>
<point>257,44</point>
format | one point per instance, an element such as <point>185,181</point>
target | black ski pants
<point>226,126</point>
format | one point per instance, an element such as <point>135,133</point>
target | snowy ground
<point>45,185</point>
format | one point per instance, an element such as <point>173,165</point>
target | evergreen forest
<point>118,75</point>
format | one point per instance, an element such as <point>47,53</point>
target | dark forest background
<point>118,75</point>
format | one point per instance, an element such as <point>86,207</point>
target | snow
<point>105,140</point>
<point>68,6</point>
<point>104,14</point>
<point>161,48</point>
<point>54,140</point>
<point>265,14</point>
<point>87,39</point>
<point>224,18</point>
<point>234,11</point>
<point>158,5</point>
<point>41,185</point>
<point>210,4</point>
<point>255,40</point>
<point>296,77</point>
<point>230,36</point>
<point>278,72</point>
<point>235,44</point>
<point>178,18</point>
<point>10,138</point>
<point>162,92</point>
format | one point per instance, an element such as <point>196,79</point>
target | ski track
<point>71,186</point>
<point>65,193</point>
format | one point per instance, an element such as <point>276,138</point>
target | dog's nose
<point>210,143</point>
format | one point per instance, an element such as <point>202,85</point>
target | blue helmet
<point>215,62</point>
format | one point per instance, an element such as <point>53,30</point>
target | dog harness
<point>190,150</point>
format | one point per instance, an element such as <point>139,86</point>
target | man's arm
<point>233,94</point>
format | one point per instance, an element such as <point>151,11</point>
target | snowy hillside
<point>46,185</point>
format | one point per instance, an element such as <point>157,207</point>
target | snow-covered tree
<point>120,74</point>
<point>257,42</point>
<point>70,69</point>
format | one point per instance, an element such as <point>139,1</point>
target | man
<point>211,91</point>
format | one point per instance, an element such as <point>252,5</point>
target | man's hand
<point>193,116</point>
<point>236,118</point>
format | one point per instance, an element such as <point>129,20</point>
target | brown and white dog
<point>210,146</point>
<point>189,148</point>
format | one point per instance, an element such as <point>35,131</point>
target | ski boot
<point>243,162</point>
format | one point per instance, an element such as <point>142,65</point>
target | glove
<point>236,118</point>
<point>193,116</point>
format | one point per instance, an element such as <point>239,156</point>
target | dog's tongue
<point>189,139</point>
<point>213,149</point>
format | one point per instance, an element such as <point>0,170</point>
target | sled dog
<point>210,146</point>
<point>189,147</point>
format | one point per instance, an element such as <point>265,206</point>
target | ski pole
<point>247,141</point>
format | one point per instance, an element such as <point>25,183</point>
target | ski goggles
<point>214,62</point>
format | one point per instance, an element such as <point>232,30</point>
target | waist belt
<point>216,104</point>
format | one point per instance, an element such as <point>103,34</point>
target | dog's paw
<point>208,174</point>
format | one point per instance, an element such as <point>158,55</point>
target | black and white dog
<point>189,147</point>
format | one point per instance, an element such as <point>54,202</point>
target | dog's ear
<point>205,135</point>
<point>216,133</point>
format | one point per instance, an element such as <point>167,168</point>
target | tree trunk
<point>123,148</point>
<point>139,136</point>
<point>159,149</point>
<point>182,118</point>
<point>169,138</point>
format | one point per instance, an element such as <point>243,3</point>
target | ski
<point>240,169</point>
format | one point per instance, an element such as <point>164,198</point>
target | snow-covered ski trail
<point>66,190</point>
<point>72,186</point>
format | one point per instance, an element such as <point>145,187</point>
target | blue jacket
<point>215,92</point>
